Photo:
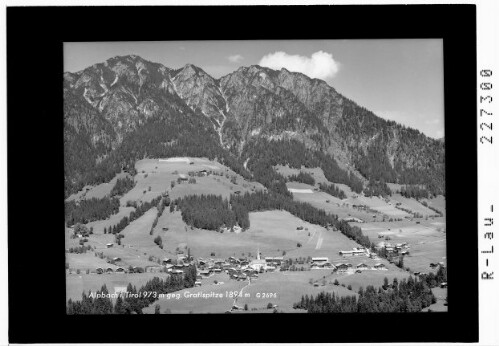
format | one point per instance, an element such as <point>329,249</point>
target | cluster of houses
<point>237,268</point>
<point>324,263</point>
<point>397,249</point>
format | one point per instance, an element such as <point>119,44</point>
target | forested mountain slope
<point>128,108</point>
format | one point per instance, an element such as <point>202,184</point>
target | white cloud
<point>235,58</point>
<point>319,65</point>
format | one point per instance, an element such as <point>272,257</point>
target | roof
<point>342,264</point>
<point>320,259</point>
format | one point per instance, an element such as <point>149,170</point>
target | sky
<point>400,80</point>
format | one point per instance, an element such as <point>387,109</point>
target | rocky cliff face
<point>107,102</point>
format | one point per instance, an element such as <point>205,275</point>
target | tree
<point>385,283</point>
<point>246,307</point>
<point>158,241</point>
<point>401,262</point>
<point>156,309</point>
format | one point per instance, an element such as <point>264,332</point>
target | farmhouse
<point>109,270</point>
<point>341,267</point>
<point>320,260</point>
<point>204,273</point>
<point>183,177</point>
<point>120,270</point>
<point>108,245</point>
<point>353,219</point>
<point>380,266</point>
<point>99,270</point>
<point>276,260</point>
<point>166,260</point>
<point>353,252</point>
<point>362,266</point>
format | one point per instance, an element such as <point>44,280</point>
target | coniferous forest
<point>302,177</point>
<point>411,295</point>
<point>122,186</point>
<point>332,190</point>
<point>88,210</point>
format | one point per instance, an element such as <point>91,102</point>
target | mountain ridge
<point>107,102</point>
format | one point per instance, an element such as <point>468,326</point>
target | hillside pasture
<point>316,172</point>
<point>154,177</point>
<point>427,241</point>
<point>412,205</point>
<point>438,203</point>
<point>341,208</point>
<point>380,205</point>
<point>113,220</point>
<point>369,277</point>
<point>137,235</point>
<point>98,191</point>
<point>86,261</point>
<point>270,231</point>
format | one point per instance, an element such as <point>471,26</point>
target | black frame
<point>35,155</point>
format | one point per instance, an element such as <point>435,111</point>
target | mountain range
<point>128,108</point>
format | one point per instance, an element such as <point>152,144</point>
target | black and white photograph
<point>238,169</point>
<point>255,177</point>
